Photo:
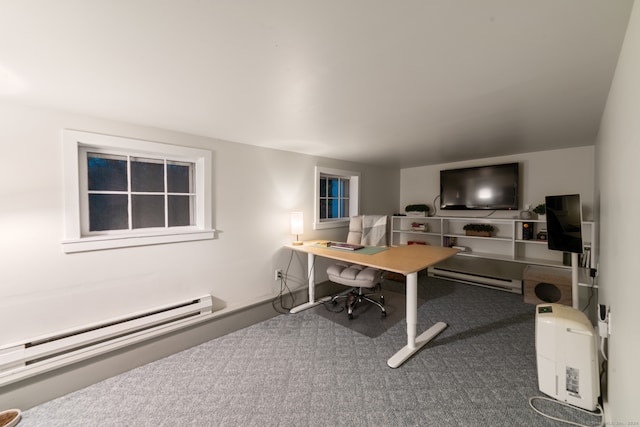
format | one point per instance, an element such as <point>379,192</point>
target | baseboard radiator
<point>36,356</point>
<point>509,285</point>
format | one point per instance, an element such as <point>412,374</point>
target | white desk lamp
<point>297,226</point>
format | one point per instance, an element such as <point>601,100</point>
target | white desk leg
<point>414,343</point>
<point>312,288</point>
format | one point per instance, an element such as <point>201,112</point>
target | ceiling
<point>398,83</point>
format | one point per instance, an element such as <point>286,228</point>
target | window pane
<point>147,175</point>
<point>333,208</point>
<point>345,207</point>
<point>106,172</point>
<point>333,187</point>
<point>179,177</point>
<point>323,209</point>
<point>147,211</point>
<point>108,212</point>
<point>344,183</point>
<point>323,187</point>
<point>180,211</point>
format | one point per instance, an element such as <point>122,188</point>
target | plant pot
<point>478,233</point>
<point>526,215</point>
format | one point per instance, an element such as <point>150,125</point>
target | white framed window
<point>122,192</point>
<point>337,197</point>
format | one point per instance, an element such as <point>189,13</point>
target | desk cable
<point>284,291</point>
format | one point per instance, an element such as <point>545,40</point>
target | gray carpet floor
<point>307,370</point>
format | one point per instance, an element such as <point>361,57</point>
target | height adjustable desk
<point>406,260</point>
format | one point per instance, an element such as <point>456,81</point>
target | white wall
<point>566,171</point>
<point>43,290</point>
<point>618,151</point>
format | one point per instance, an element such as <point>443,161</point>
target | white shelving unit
<point>505,244</point>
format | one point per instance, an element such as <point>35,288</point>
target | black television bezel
<point>515,166</point>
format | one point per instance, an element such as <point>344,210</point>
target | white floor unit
<point>567,355</point>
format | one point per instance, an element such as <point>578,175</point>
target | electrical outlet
<point>604,321</point>
<point>278,274</point>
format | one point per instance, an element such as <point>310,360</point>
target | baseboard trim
<point>508,285</point>
<point>44,387</point>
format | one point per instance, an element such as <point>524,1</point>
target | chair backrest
<point>355,230</point>
<point>370,230</point>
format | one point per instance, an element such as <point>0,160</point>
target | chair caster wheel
<point>350,316</point>
<point>384,314</point>
<point>334,302</point>
<point>382,299</point>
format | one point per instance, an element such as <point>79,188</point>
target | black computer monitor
<point>564,223</point>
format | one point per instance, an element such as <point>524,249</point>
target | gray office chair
<point>370,230</point>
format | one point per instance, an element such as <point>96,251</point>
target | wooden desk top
<point>398,259</point>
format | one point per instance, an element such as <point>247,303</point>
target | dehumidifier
<point>567,355</point>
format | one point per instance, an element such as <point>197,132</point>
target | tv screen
<point>484,187</point>
<point>564,223</point>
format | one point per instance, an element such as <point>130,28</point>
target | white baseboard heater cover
<point>41,354</point>
<point>509,285</point>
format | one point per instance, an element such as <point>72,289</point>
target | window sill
<point>331,224</point>
<point>98,243</point>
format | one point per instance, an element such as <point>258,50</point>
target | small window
<point>336,197</point>
<point>131,192</point>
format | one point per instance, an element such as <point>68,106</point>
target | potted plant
<point>482,230</point>
<point>541,210</point>
<point>419,209</point>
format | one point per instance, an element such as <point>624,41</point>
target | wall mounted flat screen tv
<point>485,187</point>
<point>564,223</point>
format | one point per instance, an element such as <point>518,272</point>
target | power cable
<point>599,414</point>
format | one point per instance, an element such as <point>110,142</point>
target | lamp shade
<point>297,224</point>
